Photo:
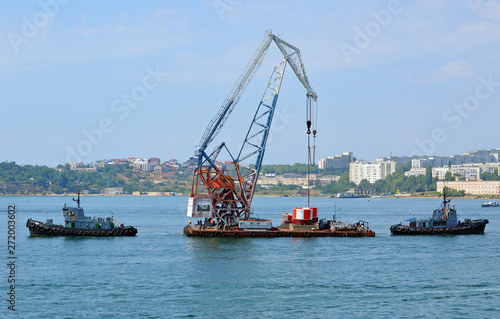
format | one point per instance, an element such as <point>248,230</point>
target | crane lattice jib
<point>293,57</point>
<point>227,107</point>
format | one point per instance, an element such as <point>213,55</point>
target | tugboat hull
<point>44,229</point>
<point>473,227</point>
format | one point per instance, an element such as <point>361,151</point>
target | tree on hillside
<point>410,184</point>
<point>404,168</point>
<point>364,185</point>
<point>448,176</point>
<point>428,177</point>
<point>487,176</point>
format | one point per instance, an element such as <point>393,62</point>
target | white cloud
<point>485,8</point>
<point>456,68</point>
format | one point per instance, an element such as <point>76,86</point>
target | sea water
<point>160,273</point>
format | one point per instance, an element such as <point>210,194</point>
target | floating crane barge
<point>321,229</point>
<point>191,231</point>
<point>221,196</point>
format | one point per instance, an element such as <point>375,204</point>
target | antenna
<point>78,200</point>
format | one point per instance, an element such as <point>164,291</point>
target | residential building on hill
<point>295,179</point>
<point>465,171</point>
<point>472,157</point>
<point>142,165</point>
<point>154,161</point>
<point>371,171</point>
<point>398,159</point>
<point>337,161</point>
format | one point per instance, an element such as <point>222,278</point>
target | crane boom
<point>294,59</point>
<point>232,99</point>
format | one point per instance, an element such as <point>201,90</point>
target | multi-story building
<point>466,171</point>
<point>160,169</point>
<point>295,179</point>
<point>154,161</point>
<point>142,165</point>
<point>398,159</point>
<point>337,161</point>
<point>440,172</point>
<point>415,172</point>
<point>475,156</point>
<point>113,190</point>
<point>327,179</point>
<point>472,187</point>
<point>370,171</point>
<point>433,161</point>
<point>469,173</point>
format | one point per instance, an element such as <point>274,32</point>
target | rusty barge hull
<point>191,231</point>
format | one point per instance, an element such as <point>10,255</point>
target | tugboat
<point>77,224</point>
<point>444,221</point>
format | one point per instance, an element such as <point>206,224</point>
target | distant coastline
<point>484,197</point>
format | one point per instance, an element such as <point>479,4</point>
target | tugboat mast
<point>78,199</point>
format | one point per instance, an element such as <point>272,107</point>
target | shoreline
<point>483,197</point>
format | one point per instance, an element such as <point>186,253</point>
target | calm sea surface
<point>160,273</point>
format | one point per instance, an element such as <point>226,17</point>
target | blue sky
<point>407,77</point>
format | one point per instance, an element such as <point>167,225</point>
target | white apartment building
<point>295,179</point>
<point>372,171</point>
<point>433,161</point>
<point>472,157</point>
<point>415,172</point>
<point>398,159</point>
<point>337,161</point>
<point>142,164</point>
<point>467,171</point>
<point>438,172</point>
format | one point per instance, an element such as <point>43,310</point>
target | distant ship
<point>490,204</point>
<point>444,221</point>
<point>77,224</point>
<point>350,195</point>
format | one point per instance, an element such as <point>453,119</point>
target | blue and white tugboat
<point>77,224</point>
<point>444,221</point>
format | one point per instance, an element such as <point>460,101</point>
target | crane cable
<point>310,163</point>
